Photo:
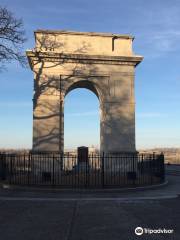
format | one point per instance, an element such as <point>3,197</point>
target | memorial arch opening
<point>81,120</point>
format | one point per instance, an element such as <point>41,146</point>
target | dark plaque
<point>82,154</point>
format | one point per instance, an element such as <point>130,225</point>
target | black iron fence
<point>94,171</point>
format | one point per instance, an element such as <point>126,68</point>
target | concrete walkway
<point>90,215</point>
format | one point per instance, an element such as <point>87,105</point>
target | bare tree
<point>12,37</point>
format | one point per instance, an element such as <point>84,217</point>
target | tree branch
<point>12,36</point>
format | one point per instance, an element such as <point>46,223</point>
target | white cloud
<point>166,41</point>
<point>80,114</point>
<point>157,43</point>
<point>15,104</point>
<point>151,115</point>
<point>138,115</point>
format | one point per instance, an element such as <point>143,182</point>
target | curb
<point>78,190</point>
<point>117,199</point>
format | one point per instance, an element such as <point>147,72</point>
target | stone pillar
<point>117,128</point>
<point>118,116</point>
<point>48,116</point>
<point>46,119</point>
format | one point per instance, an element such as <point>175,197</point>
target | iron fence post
<point>53,182</point>
<point>102,170</point>
<point>162,169</point>
<point>3,166</point>
<point>134,180</point>
<point>28,166</point>
<point>11,172</point>
<point>152,167</point>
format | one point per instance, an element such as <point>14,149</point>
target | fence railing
<point>96,171</point>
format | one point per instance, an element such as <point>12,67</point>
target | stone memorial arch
<point>103,63</point>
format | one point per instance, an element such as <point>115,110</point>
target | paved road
<point>89,216</point>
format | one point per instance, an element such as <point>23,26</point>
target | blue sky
<point>156,27</point>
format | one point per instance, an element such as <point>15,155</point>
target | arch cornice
<point>38,56</point>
